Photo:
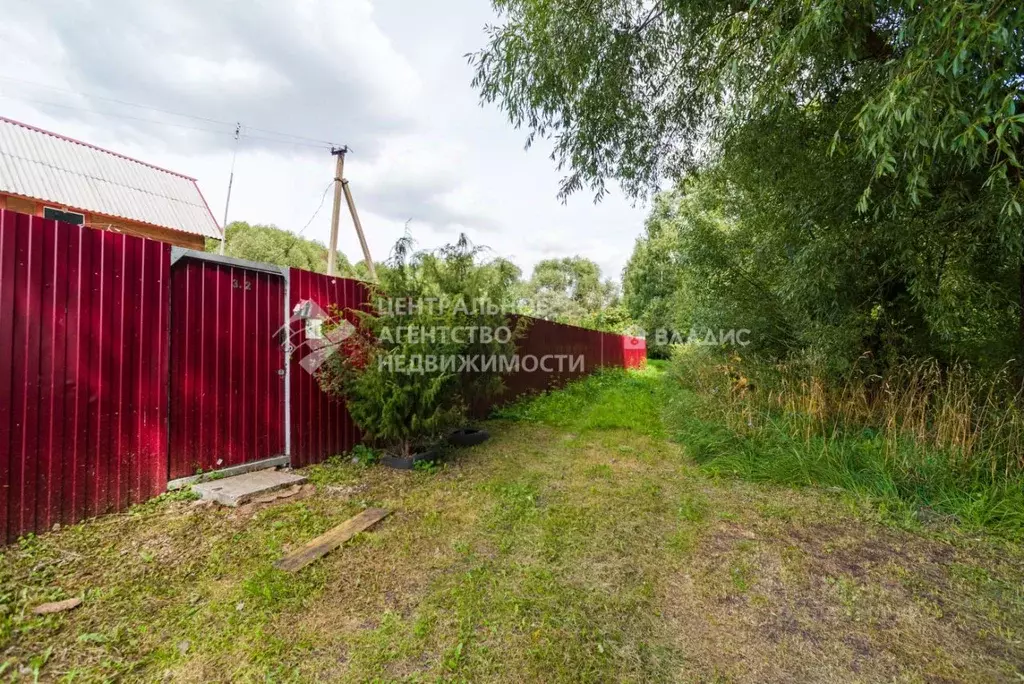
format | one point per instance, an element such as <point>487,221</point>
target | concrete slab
<point>230,471</point>
<point>237,490</point>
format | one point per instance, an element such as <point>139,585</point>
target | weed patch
<point>909,482</point>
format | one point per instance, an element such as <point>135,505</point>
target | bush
<point>400,373</point>
<point>364,455</point>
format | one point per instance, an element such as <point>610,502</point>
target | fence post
<point>287,365</point>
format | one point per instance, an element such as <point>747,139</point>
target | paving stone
<point>237,490</point>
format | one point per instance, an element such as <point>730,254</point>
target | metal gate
<point>228,373</point>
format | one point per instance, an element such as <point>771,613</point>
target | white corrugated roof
<point>52,168</point>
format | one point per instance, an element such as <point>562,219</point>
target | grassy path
<point>579,544</point>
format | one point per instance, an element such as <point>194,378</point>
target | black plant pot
<point>467,437</point>
<point>409,462</point>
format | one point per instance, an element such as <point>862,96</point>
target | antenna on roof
<point>231,181</point>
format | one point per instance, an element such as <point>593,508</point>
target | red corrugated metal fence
<point>83,372</point>
<point>634,351</point>
<point>320,424</point>
<point>547,338</point>
<point>227,369</point>
<point>96,328</point>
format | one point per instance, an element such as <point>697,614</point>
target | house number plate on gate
<point>237,286</point>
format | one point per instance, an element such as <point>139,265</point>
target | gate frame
<point>179,253</point>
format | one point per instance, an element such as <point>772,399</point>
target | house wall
<point>24,205</point>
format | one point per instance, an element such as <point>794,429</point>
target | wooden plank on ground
<point>57,606</point>
<point>330,540</point>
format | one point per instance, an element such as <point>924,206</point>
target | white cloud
<point>234,77</point>
<point>388,78</point>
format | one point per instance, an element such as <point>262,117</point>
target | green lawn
<point>579,544</point>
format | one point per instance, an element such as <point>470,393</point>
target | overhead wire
<point>292,135</point>
<point>315,213</point>
<point>297,143</point>
<point>111,114</point>
<point>297,236</point>
<point>299,140</point>
<point>114,100</point>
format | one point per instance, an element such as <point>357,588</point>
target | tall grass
<point>612,398</point>
<point>922,436</point>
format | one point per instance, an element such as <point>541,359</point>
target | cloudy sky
<point>389,78</point>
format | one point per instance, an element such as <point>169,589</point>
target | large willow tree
<point>857,160</point>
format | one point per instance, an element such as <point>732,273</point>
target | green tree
<point>270,244</point>
<point>613,319</point>
<point>422,312</point>
<point>639,90</point>
<point>652,281</point>
<point>770,239</point>
<point>569,289</point>
<point>853,168</point>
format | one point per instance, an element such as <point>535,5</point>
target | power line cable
<point>297,143</point>
<point>156,122</point>
<point>306,139</point>
<point>111,99</point>
<point>112,114</point>
<point>297,236</point>
<point>238,130</point>
<point>292,135</point>
<point>322,198</point>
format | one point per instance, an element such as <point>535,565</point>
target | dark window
<point>65,216</point>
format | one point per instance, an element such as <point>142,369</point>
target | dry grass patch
<point>827,597</point>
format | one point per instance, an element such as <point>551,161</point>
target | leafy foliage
<point>364,455</point>
<point>770,239</point>
<point>653,280</point>
<point>571,290</point>
<point>614,319</point>
<point>852,169</point>
<point>270,244</point>
<point>639,90</point>
<point>422,310</point>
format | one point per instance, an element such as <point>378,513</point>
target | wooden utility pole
<point>339,169</point>
<point>359,230</point>
<point>341,186</point>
